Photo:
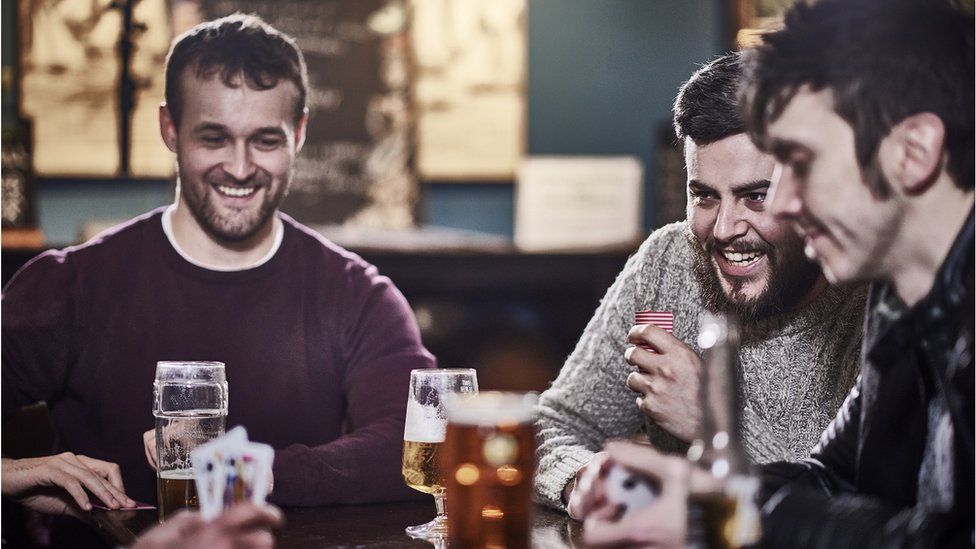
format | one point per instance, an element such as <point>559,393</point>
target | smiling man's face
<point>235,149</point>
<point>748,262</point>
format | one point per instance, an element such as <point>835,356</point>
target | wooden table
<point>359,526</point>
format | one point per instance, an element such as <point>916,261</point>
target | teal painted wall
<point>602,75</point>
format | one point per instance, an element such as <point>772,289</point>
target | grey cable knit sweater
<point>797,368</point>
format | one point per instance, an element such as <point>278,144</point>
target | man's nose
<point>782,200</point>
<point>240,165</point>
<point>729,224</point>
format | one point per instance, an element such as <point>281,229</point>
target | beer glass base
<point>433,530</point>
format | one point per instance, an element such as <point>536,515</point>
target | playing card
<point>208,469</point>
<point>254,470</point>
<point>229,470</point>
<point>661,319</point>
<point>627,490</point>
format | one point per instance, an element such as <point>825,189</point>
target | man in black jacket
<point>868,107</point>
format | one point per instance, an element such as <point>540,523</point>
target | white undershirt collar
<point>279,233</point>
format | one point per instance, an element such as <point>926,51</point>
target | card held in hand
<point>661,319</point>
<point>230,469</point>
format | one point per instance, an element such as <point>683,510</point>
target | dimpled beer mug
<point>489,459</point>
<point>190,405</point>
<point>423,436</point>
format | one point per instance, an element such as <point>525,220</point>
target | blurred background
<point>499,160</point>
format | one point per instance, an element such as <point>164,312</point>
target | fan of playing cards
<point>230,469</point>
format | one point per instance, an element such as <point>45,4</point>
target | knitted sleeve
<point>589,401</point>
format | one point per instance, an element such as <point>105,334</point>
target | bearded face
<point>747,262</point>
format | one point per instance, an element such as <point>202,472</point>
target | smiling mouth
<point>236,192</point>
<point>741,259</point>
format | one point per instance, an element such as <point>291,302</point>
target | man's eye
<point>212,140</point>
<point>756,197</point>
<point>268,143</point>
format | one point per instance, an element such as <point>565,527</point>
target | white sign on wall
<point>577,202</point>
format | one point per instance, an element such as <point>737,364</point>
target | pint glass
<point>489,459</point>
<point>190,405</point>
<point>423,436</point>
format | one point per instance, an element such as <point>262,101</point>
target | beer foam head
<point>424,423</point>
<point>492,408</point>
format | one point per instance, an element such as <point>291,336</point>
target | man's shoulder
<point>56,267</point>
<point>320,252</point>
<point>127,233</point>
<point>666,249</point>
<point>667,239</point>
<point>111,243</point>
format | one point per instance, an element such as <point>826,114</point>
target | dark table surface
<point>360,526</point>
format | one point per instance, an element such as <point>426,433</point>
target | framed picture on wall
<point>469,73</point>
<point>70,87</point>
<point>751,18</point>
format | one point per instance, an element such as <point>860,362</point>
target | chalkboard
<point>355,166</point>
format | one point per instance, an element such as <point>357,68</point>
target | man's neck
<point>202,248</point>
<point>930,226</point>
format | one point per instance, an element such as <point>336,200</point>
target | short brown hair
<point>237,46</point>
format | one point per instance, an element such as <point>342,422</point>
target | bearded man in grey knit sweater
<point>801,337</point>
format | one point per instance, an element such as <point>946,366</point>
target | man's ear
<point>912,153</point>
<point>167,128</point>
<point>300,131</point>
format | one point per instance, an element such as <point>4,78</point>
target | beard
<point>242,224</point>
<point>791,277</point>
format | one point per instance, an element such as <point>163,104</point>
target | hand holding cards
<point>627,490</point>
<point>230,469</point>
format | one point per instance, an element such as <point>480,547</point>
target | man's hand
<point>663,524</point>
<point>149,444</point>
<point>60,484</point>
<point>667,380</point>
<point>242,526</point>
<point>584,492</point>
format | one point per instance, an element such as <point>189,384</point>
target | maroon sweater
<point>318,349</point>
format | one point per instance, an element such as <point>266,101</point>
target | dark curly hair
<point>236,46</point>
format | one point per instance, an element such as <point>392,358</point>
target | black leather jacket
<point>861,486</point>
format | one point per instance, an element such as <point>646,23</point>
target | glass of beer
<point>190,405</point>
<point>489,460</point>
<point>423,437</point>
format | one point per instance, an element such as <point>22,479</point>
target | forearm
<point>589,402</point>
<point>588,405</point>
<point>361,467</point>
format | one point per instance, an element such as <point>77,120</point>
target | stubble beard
<point>791,278</point>
<point>223,228</point>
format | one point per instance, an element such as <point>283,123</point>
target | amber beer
<point>176,436</point>
<point>421,469</point>
<point>712,521</point>
<point>176,490</point>
<point>489,457</point>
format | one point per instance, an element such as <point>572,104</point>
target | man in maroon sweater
<point>318,346</point>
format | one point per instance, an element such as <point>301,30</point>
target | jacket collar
<point>891,326</point>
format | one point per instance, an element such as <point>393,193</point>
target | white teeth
<point>742,258</point>
<point>809,251</point>
<point>236,191</point>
